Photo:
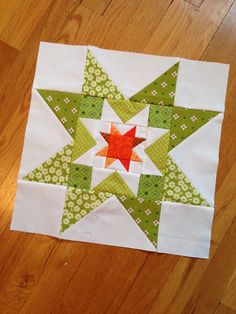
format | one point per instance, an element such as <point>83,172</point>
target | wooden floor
<point>40,274</point>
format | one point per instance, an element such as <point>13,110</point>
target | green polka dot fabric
<point>80,176</point>
<point>178,188</point>
<point>161,91</point>
<point>157,152</point>
<point>150,187</point>
<point>96,81</point>
<point>65,106</point>
<point>126,145</point>
<point>79,203</point>
<point>126,109</point>
<point>55,170</point>
<point>114,184</point>
<point>83,140</point>
<point>187,121</point>
<point>145,213</point>
<point>91,107</point>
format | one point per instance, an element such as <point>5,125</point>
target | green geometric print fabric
<point>150,187</point>
<point>91,107</point>
<point>161,91</point>
<point>79,203</point>
<point>187,121</point>
<point>80,176</point>
<point>126,109</point>
<point>157,152</point>
<point>178,188</point>
<point>65,106</point>
<point>83,140</point>
<point>160,116</point>
<point>145,213</point>
<point>115,185</point>
<point>55,170</point>
<point>96,81</point>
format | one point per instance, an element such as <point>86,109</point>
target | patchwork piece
<point>118,158</point>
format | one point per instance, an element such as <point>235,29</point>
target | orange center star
<point>120,146</point>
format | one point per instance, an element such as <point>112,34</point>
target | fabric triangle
<point>109,161</point>
<point>83,140</point>
<point>187,121</point>
<point>178,188</point>
<point>96,81</point>
<point>65,106</point>
<point>161,91</point>
<point>131,132</point>
<point>55,170</point>
<point>106,136</point>
<point>137,141</point>
<point>109,224</point>
<point>114,184</point>
<point>158,150</point>
<point>103,152</point>
<point>126,109</point>
<point>145,213</point>
<point>79,203</point>
<point>125,163</point>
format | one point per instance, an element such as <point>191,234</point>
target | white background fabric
<point>60,67</point>
<point>38,208</point>
<point>185,229</point>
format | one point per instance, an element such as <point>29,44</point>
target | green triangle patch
<point>187,121</point>
<point>158,150</point>
<point>65,106</point>
<point>79,203</point>
<point>96,81</point>
<point>83,140</point>
<point>126,109</point>
<point>115,185</point>
<point>145,213</point>
<point>55,170</point>
<point>178,188</point>
<point>161,91</point>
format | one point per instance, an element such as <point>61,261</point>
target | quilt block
<point>122,149</point>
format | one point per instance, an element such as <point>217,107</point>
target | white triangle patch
<point>109,224</point>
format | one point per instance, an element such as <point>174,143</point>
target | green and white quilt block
<point>122,149</point>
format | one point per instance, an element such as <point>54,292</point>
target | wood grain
<point>39,274</point>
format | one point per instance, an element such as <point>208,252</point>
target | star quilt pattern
<point>122,149</point>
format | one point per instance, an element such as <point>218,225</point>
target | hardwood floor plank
<point>142,25</point>
<point>20,277</point>
<point>101,281</point>
<point>229,298</point>
<point>202,29</point>
<point>7,57</point>
<point>172,27</point>
<point>180,285</point>
<point>98,6</point>
<point>222,309</point>
<point>148,284</point>
<point>59,15</point>
<point>216,277</point>
<point>23,22</point>
<point>196,3</point>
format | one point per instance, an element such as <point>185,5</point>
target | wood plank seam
<point>127,293</point>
